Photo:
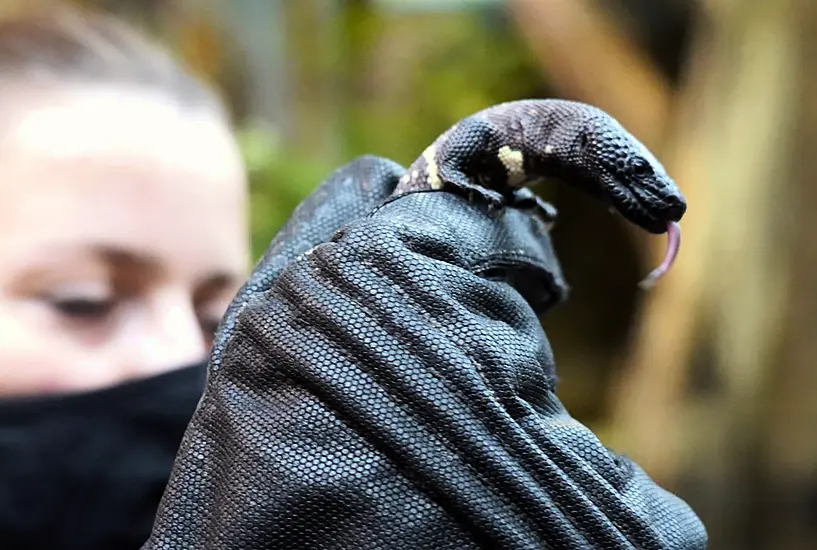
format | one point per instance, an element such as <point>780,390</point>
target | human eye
<point>83,308</point>
<point>209,325</point>
<point>209,313</point>
<point>211,300</point>
<point>82,302</point>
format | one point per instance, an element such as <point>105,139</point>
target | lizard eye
<point>641,167</point>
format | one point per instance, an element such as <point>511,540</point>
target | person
<point>123,237</point>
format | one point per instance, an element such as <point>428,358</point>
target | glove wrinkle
<point>407,386</point>
<point>350,192</point>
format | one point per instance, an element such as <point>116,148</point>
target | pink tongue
<point>673,245</point>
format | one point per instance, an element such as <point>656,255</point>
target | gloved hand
<point>382,381</point>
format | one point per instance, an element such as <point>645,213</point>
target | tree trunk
<point>739,307</point>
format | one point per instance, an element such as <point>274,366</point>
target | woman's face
<point>122,236</point>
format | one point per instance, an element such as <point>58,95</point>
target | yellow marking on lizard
<point>432,170</point>
<point>514,163</point>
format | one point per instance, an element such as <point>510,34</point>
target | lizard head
<point>621,170</point>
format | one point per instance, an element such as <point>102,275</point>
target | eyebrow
<point>147,262</point>
<point>126,258</point>
<point>59,257</point>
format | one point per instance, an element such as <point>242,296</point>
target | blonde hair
<point>91,48</point>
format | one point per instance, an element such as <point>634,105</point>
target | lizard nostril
<point>676,208</point>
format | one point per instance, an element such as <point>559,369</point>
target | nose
<point>676,207</point>
<point>171,336</point>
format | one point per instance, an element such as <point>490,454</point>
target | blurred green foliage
<point>398,90</point>
<point>414,84</point>
<point>280,178</point>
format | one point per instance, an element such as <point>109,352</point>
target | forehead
<point>108,167</point>
<point>77,120</point>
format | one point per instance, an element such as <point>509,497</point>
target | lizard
<point>494,155</point>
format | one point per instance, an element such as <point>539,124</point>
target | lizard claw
<point>494,200</point>
<point>480,195</point>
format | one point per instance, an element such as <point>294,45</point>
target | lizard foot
<point>493,200</point>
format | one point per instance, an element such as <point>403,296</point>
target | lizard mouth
<point>651,213</point>
<point>654,214</point>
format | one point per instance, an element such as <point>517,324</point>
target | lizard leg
<point>468,163</point>
<point>457,182</point>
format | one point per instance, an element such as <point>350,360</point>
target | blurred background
<point>710,380</point>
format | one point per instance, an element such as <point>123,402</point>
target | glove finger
<point>350,192</point>
<point>514,248</point>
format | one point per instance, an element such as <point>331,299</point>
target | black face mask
<point>88,470</point>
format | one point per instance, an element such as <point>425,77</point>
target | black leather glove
<point>383,381</point>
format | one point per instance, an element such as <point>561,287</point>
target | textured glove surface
<point>389,385</point>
